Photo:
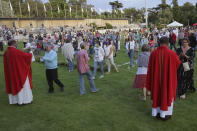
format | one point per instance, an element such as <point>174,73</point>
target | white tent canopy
<point>175,24</point>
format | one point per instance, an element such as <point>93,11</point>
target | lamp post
<point>70,8</point>
<point>146,14</point>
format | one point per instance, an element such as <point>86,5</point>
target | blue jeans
<point>70,65</point>
<point>173,45</point>
<point>95,67</point>
<point>91,51</point>
<point>131,55</point>
<point>91,81</point>
<point>196,47</point>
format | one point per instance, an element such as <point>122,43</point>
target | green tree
<point>176,10</point>
<point>163,2</point>
<point>161,14</point>
<point>135,15</point>
<point>106,14</point>
<point>187,13</point>
<point>116,5</point>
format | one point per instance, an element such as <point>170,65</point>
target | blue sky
<point>104,4</point>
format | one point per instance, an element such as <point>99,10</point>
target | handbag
<point>186,66</point>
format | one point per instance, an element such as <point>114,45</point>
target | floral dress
<point>185,78</point>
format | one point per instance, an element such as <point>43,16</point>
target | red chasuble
<point>17,66</point>
<point>162,77</point>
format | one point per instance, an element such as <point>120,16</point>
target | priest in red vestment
<point>162,79</point>
<point>18,75</point>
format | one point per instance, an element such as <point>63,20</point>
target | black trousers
<point>52,75</point>
<point>24,43</point>
<point>1,46</point>
<point>180,42</point>
<point>173,45</point>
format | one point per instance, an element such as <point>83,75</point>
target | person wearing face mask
<point>185,76</point>
<point>98,59</point>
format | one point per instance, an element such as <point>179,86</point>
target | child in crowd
<point>142,63</point>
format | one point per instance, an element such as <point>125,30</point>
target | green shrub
<point>108,26</point>
<point>94,26</point>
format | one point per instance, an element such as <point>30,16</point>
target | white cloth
<point>109,62</point>
<point>55,47</point>
<point>141,71</point>
<point>79,44</point>
<point>157,110</point>
<point>99,54</point>
<point>68,51</point>
<point>118,45</point>
<point>130,45</point>
<point>1,39</point>
<point>107,51</point>
<point>25,96</point>
<point>33,58</point>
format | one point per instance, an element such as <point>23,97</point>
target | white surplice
<point>157,110</point>
<point>25,96</point>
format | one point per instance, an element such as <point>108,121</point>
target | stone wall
<point>36,23</point>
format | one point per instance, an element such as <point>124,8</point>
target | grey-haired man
<point>50,60</point>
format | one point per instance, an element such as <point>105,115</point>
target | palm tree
<point>116,5</point>
<point>112,5</point>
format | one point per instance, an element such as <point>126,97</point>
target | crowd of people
<point>160,69</point>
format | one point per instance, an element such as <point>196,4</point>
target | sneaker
<point>143,98</point>
<point>96,90</point>
<point>101,76</point>
<point>107,73</point>
<point>183,97</point>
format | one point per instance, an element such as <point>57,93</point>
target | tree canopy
<point>161,14</point>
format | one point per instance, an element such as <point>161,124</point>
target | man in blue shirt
<point>50,60</point>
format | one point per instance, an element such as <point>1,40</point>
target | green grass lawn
<point>116,107</point>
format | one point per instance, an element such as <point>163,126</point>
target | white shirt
<point>107,51</point>
<point>130,45</point>
<point>99,54</point>
<point>1,39</point>
<point>55,47</point>
<point>79,45</point>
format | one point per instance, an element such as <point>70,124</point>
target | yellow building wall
<point>55,23</point>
